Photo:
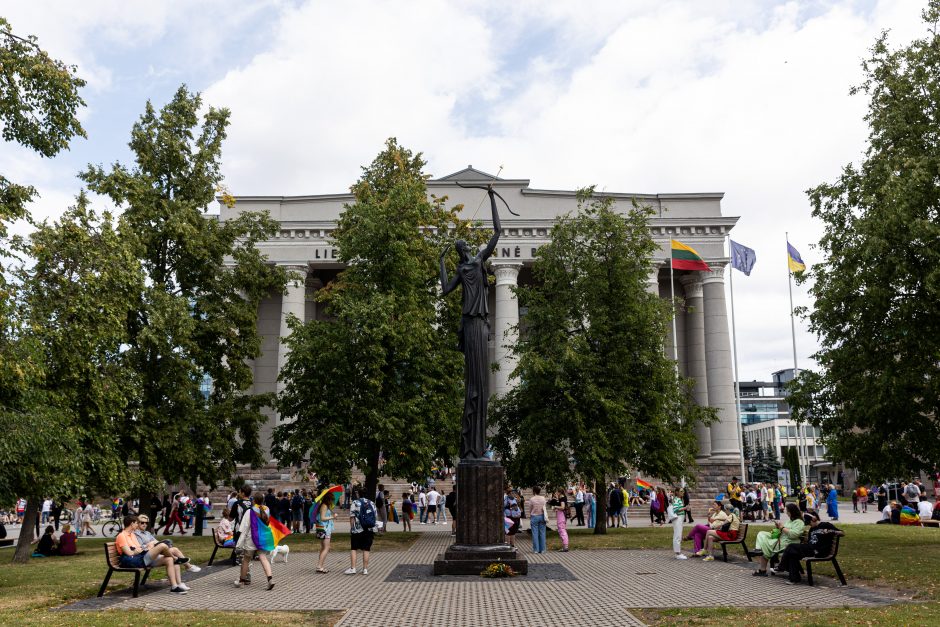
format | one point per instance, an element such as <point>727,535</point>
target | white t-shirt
<point>433,497</point>
<point>925,510</point>
<point>886,512</point>
<point>422,499</point>
<point>47,506</point>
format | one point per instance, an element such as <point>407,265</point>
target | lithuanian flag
<point>686,258</point>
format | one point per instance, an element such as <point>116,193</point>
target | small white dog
<point>281,549</point>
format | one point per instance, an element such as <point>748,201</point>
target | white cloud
<point>672,96</point>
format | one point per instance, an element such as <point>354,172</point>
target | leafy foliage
<point>195,317</point>
<point>597,396</point>
<point>877,293</point>
<point>380,377</point>
<point>39,101</point>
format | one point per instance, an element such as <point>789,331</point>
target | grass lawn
<point>906,559</point>
<point>50,582</point>
<point>921,614</point>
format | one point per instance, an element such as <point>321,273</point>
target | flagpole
<point>737,373</point>
<point>801,432</point>
<point>675,337</point>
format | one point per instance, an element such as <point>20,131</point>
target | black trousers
<point>579,512</point>
<point>790,560</point>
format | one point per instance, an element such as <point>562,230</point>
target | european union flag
<point>742,257</point>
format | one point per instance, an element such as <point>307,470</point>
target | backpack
<point>366,514</point>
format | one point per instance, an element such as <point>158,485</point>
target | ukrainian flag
<point>794,261</point>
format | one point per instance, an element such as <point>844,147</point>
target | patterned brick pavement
<point>608,582</point>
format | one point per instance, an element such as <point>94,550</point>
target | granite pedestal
<point>481,538</point>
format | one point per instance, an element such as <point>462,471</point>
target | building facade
<point>303,245</point>
<point>766,422</point>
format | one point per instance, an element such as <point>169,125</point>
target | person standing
<point>590,507</point>
<point>560,504</point>
<point>297,510</point>
<point>433,496</point>
<point>537,520</point>
<point>174,518</point>
<point>308,513</point>
<point>832,503</point>
<point>614,504</point>
<point>46,511</point>
<point>56,513</point>
<point>687,505</point>
<point>863,498</point>
<point>324,529</point>
<point>512,512</point>
<point>422,507</point>
<point>579,505</point>
<point>407,507</point>
<point>360,535</point>
<point>451,504</point>
<point>88,513</point>
<point>675,515</point>
<point>381,509</point>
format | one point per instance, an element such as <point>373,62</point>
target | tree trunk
<point>24,544</point>
<point>372,477</point>
<point>600,507</point>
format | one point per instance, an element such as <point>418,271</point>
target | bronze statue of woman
<point>473,333</point>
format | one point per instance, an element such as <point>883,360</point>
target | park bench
<point>215,549</point>
<point>114,565</point>
<point>6,542</point>
<point>930,523</point>
<point>829,558</point>
<point>742,537</point>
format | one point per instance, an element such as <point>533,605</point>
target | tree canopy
<point>876,294</point>
<point>597,397</point>
<point>377,381</point>
<point>194,320</point>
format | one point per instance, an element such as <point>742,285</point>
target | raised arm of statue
<point>497,228</point>
<point>447,285</point>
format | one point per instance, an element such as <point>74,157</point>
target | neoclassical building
<point>303,244</point>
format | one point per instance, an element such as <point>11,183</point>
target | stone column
<point>506,317</point>
<point>294,301</point>
<point>725,445</point>
<point>696,367</point>
<point>653,281</point>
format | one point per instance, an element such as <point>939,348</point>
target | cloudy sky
<point>749,98</point>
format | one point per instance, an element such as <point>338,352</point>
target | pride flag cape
<point>909,516</point>
<point>266,536</point>
<point>642,484</point>
<point>687,258</point>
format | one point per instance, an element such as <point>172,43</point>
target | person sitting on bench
<point>821,537</point>
<point>148,541</point>
<point>775,542</point>
<point>728,532</point>
<point>132,555</point>
<point>225,532</point>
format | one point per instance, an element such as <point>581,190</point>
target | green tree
<point>380,377</point>
<point>791,461</point>
<point>597,396</point>
<point>876,294</point>
<point>76,295</point>
<point>195,318</point>
<point>39,101</point>
<point>765,464</point>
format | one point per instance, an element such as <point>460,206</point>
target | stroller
<point>752,508</point>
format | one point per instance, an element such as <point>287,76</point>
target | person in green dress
<point>774,542</point>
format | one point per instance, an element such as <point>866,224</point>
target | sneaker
<point>681,556</point>
<point>183,586</point>
<point>238,583</point>
<point>193,568</point>
<point>181,560</point>
<point>709,558</point>
<point>365,571</point>
<point>760,573</point>
<point>700,553</point>
<point>178,590</point>
<point>349,571</point>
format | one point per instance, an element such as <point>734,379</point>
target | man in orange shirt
<point>134,556</point>
<point>863,498</point>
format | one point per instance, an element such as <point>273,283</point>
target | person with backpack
<point>240,505</point>
<point>362,520</point>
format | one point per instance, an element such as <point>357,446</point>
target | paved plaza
<point>599,587</point>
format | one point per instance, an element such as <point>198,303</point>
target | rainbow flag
<point>909,517</point>
<point>643,484</point>
<point>686,258</point>
<point>266,536</point>
<point>336,489</point>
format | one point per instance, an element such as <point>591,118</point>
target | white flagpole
<point>737,373</point>
<point>672,293</point>
<point>801,431</point>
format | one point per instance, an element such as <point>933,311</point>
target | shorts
<point>432,509</point>
<point>297,515</point>
<point>361,541</point>
<point>135,561</point>
<point>727,536</point>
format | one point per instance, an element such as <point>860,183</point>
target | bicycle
<point>111,529</point>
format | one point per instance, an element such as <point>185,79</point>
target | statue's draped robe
<point>474,335</point>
